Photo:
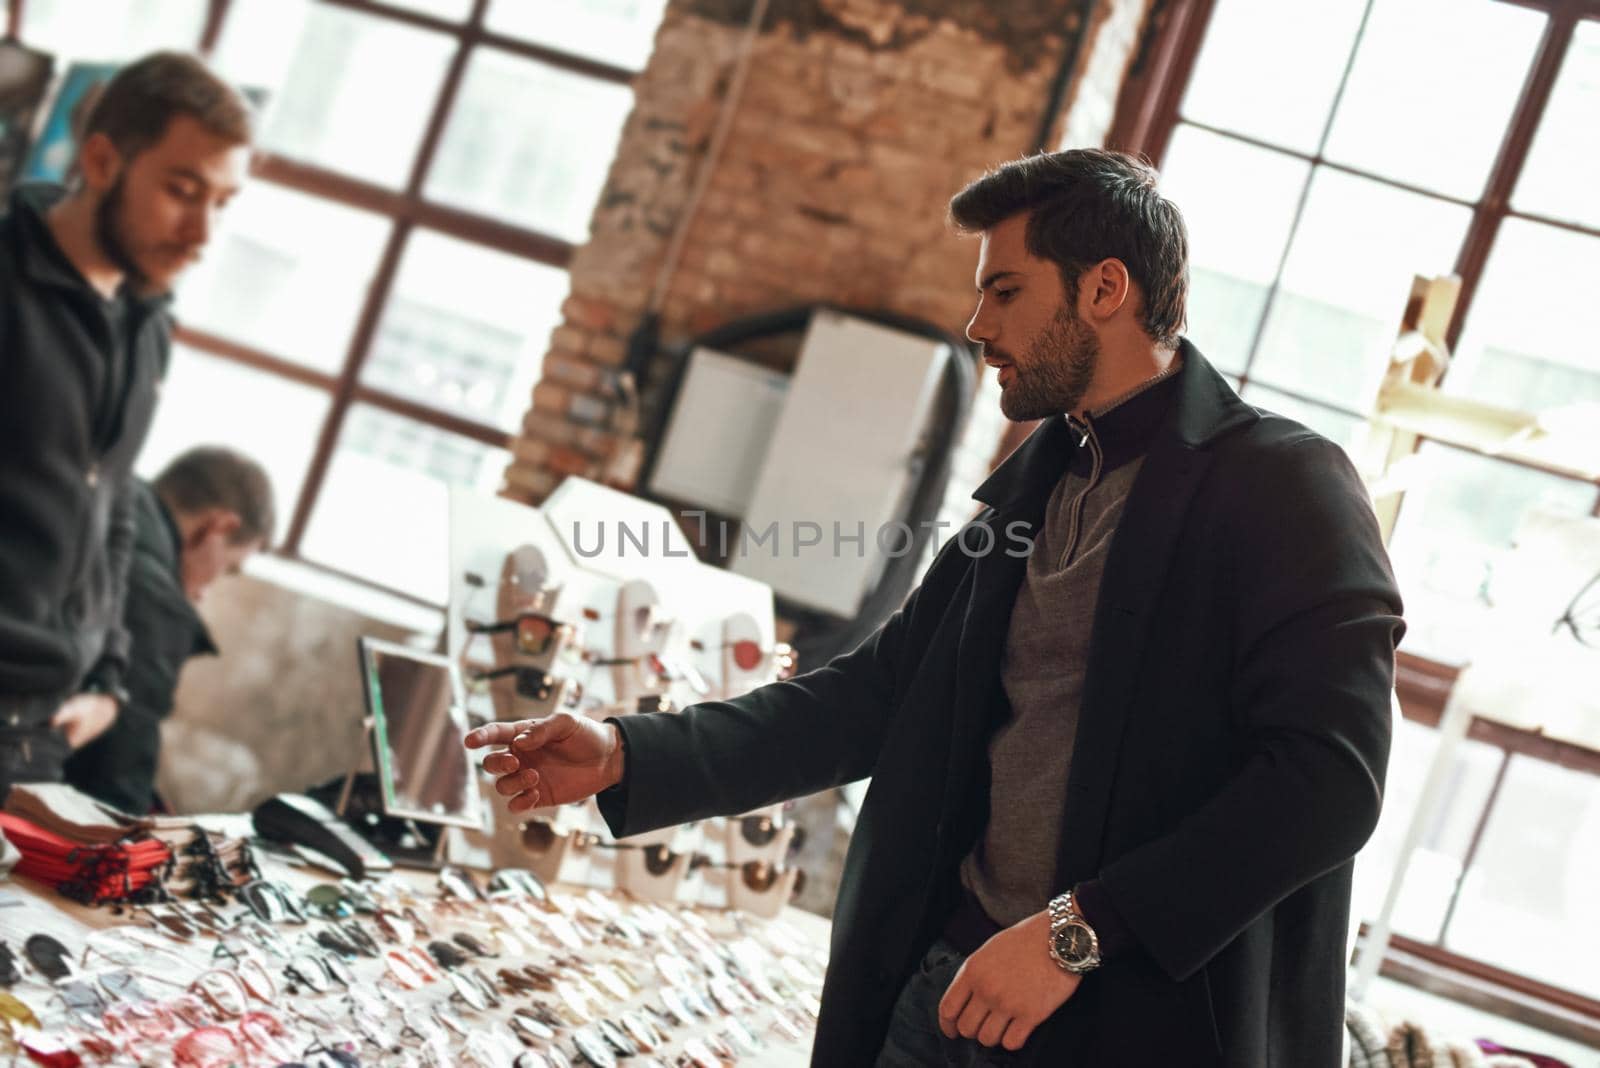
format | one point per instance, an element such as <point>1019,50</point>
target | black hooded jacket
<point>78,384</point>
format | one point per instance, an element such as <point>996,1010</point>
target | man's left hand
<point>85,717</point>
<point>1007,988</point>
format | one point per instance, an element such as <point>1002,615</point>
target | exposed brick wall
<point>857,122</point>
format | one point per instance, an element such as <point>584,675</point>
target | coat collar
<point>1206,408</point>
<point>42,260</point>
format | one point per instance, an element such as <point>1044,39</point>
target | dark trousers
<point>914,1039</point>
<point>30,749</point>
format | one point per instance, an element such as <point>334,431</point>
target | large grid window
<point>1323,154</point>
<point>369,319</point>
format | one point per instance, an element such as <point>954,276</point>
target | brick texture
<point>857,122</point>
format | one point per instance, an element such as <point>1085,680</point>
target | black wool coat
<point>1228,764</point>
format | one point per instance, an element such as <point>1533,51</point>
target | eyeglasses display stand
<point>643,627</point>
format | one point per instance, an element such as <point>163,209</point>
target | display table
<point>566,947</point>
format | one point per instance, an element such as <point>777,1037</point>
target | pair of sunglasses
<point>272,902</point>
<point>535,633</point>
<point>474,989</point>
<point>535,684</point>
<point>749,656</point>
<point>518,881</point>
<point>318,1055</point>
<point>335,902</point>
<point>350,940</point>
<point>457,882</point>
<point>318,974</point>
<point>400,928</point>
<point>540,838</point>
<point>757,875</point>
<point>761,830</point>
<point>658,669</point>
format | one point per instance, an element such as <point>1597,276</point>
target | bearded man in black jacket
<point>85,275</point>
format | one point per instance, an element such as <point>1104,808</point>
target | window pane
<point>529,143</point>
<point>287,274</point>
<point>1456,521</point>
<point>1300,50</point>
<point>1527,904</point>
<point>1432,90</point>
<point>383,513</point>
<point>1514,356</point>
<point>210,401</point>
<point>1436,865</point>
<point>1562,170</point>
<point>335,99</point>
<point>466,328</point>
<point>1346,281</point>
<point>1341,428</point>
<point>620,32</point>
<point>1231,267</point>
<point>118,30</point>
<point>454,10</point>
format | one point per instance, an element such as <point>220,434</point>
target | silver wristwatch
<point>1073,944</point>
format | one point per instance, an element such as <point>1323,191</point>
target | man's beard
<point>109,220</point>
<point>1055,373</point>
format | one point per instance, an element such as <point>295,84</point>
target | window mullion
<point>378,293</point>
<point>1503,176</point>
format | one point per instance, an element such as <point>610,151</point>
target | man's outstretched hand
<point>551,761</point>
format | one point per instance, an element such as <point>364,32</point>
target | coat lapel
<point>1135,573</point>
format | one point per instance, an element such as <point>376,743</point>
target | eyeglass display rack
<point>626,617</point>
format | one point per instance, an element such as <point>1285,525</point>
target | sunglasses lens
<point>340,971</point>
<point>533,684</point>
<point>537,837</point>
<point>404,973</point>
<point>207,1047</point>
<point>81,998</point>
<point>658,859</point>
<point>534,633</point>
<point>267,905</point>
<point>759,876</point>
<point>469,991</point>
<point>121,986</point>
<point>759,830</point>
<point>328,899</point>
<point>307,972</point>
<point>747,655</point>
<point>48,956</point>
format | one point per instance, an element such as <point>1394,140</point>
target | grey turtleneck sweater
<point>1011,870</point>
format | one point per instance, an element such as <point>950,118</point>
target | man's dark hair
<point>211,476</point>
<point>1086,205</point>
<point>136,106</point>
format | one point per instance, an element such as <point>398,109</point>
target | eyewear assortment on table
<point>508,975</point>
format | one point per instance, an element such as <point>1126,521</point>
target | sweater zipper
<point>1075,512</point>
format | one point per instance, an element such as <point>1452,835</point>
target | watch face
<point>1073,943</point>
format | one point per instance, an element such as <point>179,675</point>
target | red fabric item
<point>53,859</point>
